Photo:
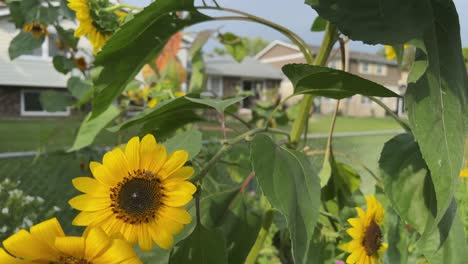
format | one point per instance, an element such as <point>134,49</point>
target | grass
<point>321,124</point>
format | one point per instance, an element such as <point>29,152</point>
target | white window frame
<point>38,113</point>
<point>209,86</point>
<point>361,68</point>
<point>383,67</point>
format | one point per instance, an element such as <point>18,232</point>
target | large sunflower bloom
<point>138,192</point>
<point>47,243</point>
<point>97,35</point>
<point>367,246</point>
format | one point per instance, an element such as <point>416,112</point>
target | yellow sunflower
<point>152,103</point>
<point>97,24</point>
<point>367,246</point>
<point>47,243</point>
<point>390,53</point>
<point>139,192</point>
<point>37,29</point>
<point>464,173</point>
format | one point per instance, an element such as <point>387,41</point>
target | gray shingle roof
<point>248,68</point>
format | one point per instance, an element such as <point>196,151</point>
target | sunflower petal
<point>132,152</point>
<point>180,186</point>
<point>144,238</point>
<point>102,174</point>
<point>85,202</point>
<point>116,162</point>
<point>90,186</point>
<point>8,259</point>
<point>177,199</point>
<point>96,242</point>
<point>161,237</point>
<point>48,231</point>
<point>23,244</point>
<point>71,246</point>
<point>177,214</point>
<point>119,252</point>
<point>173,163</point>
<point>88,218</point>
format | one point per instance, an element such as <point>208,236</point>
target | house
<point>226,77</point>
<point>369,66</point>
<point>24,79</point>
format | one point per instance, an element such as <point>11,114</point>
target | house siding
<point>277,51</point>
<point>392,77</point>
<point>231,85</point>
<point>10,102</point>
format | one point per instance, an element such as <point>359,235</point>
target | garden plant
<point>167,196</point>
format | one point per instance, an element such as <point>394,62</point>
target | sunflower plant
<point>192,181</point>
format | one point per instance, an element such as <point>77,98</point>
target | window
<point>31,105</point>
<point>215,85</point>
<point>47,50</point>
<point>364,67</point>
<point>380,69</point>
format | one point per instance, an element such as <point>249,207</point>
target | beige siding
<point>230,86</point>
<point>277,51</point>
<point>392,76</point>
<point>280,64</point>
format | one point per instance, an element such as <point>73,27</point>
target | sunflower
<point>47,243</point>
<point>97,24</point>
<point>137,191</point>
<point>367,246</point>
<point>390,53</point>
<point>152,103</point>
<point>464,173</point>
<point>37,29</point>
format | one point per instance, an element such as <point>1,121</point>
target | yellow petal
<point>88,218</point>
<point>130,233</point>
<point>117,164</point>
<point>464,173</point>
<point>173,163</point>
<point>96,242</point>
<point>71,246</point>
<point>85,202</point>
<point>132,152</point>
<point>181,174</point>
<point>170,226</point>
<point>91,187</point>
<point>102,174</point>
<point>48,231</point>
<point>23,244</point>
<point>180,186</point>
<point>161,237</point>
<point>177,214</point>
<point>177,199</point>
<point>119,252</point>
<point>152,103</point>
<point>144,238</point>
<point>8,259</point>
<point>355,233</point>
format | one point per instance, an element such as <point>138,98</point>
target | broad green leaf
<point>63,64</point>
<point>90,128</point>
<point>16,13</point>
<point>190,140</point>
<point>203,246</point>
<point>344,181</point>
<point>198,76</point>
<point>164,112</point>
<point>374,22</point>
<point>137,42</point>
<point>319,24</point>
<point>290,184</point>
<point>396,237</point>
<point>67,36</point>
<point>55,101</point>
<point>200,40</point>
<point>219,104</point>
<point>23,43</point>
<point>322,81</point>
<point>82,90</point>
<point>437,102</point>
<point>234,46</point>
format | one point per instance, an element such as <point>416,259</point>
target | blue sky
<point>293,14</point>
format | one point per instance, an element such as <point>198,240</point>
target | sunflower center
<point>372,238</point>
<point>137,198</point>
<point>72,260</point>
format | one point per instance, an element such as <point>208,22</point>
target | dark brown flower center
<point>372,238</point>
<point>72,260</point>
<point>137,198</point>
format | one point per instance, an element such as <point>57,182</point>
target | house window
<point>364,67</point>
<point>47,50</point>
<point>215,85</point>
<point>380,69</point>
<point>31,105</point>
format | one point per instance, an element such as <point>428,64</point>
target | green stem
<point>329,40</point>
<point>120,6</point>
<point>328,150</point>
<point>389,111</point>
<point>258,245</point>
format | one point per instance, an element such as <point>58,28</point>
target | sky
<point>293,14</point>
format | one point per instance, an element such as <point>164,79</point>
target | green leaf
<point>437,102</point>
<point>322,81</point>
<point>234,46</point>
<point>190,140</point>
<point>67,36</point>
<point>63,64</point>
<point>16,13</point>
<point>79,88</point>
<point>137,42</point>
<point>200,40</point>
<point>198,75</point>
<point>374,22</point>
<point>203,246</point>
<point>319,24</point>
<point>23,43</point>
<point>90,128</point>
<point>290,184</point>
<point>162,114</point>
<point>54,101</point>
<point>216,103</point>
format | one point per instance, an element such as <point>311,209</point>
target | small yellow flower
<point>97,32</point>
<point>152,103</point>
<point>464,173</point>
<point>138,192</point>
<point>390,53</point>
<point>47,243</point>
<point>37,29</point>
<point>367,246</point>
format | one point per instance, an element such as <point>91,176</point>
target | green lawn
<point>321,124</point>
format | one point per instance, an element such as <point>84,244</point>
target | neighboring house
<point>370,66</point>
<point>226,77</point>
<point>22,80</point>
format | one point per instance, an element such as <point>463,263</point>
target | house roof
<point>248,68</point>
<point>30,72</point>
<point>354,55</point>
